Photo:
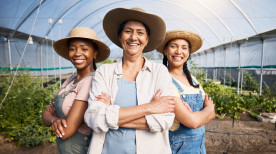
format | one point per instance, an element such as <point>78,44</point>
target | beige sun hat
<point>114,18</point>
<point>194,39</point>
<point>61,46</point>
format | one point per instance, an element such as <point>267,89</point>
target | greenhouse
<point>238,51</point>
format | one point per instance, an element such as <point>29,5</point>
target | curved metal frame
<point>210,27</point>
<point>215,14</point>
<point>62,16</point>
<point>19,25</point>
<point>245,16</point>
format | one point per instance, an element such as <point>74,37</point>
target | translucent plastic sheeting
<point>32,58</point>
<point>232,55</point>
<point>250,52</point>
<point>270,52</point>
<point>217,21</point>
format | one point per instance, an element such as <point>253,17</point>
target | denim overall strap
<point>60,98</point>
<point>179,89</point>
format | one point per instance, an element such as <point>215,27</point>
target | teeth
<point>79,60</point>
<point>177,58</point>
<point>132,44</point>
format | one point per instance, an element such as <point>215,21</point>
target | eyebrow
<point>177,44</point>
<point>140,29</point>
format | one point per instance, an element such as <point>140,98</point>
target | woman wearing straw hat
<point>65,114</point>
<point>187,135</point>
<point>137,115</point>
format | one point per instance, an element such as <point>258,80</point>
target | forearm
<point>140,123</point>
<point>192,119</point>
<point>128,114</point>
<point>74,118</point>
<point>48,118</point>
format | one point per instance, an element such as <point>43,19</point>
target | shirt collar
<point>119,65</point>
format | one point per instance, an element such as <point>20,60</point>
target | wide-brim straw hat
<point>114,18</point>
<point>194,39</point>
<point>62,48</point>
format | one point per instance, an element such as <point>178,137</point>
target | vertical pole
<point>215,70</point>
<point>59,65</point>
<point>224,66</point>
<point>241,80</point>
<point>239,69</point>
<point>41,64</point>
<point>47,59</point>
<point>206,67</point>
<point>52,47</point>
<point>9,48</point>
<point>262,62</point>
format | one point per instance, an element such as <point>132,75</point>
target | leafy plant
<point>20,114</point>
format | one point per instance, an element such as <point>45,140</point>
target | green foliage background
<point>20,114</point>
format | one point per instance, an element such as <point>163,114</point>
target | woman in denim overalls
<point>66,113</point>
<point>192,111</point>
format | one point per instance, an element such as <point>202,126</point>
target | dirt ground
<point>245,136</point>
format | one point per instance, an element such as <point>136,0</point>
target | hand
<point>162,104</point>
<point>104,98</point>
<point>157,95</point>
<point>51,108</point>
<point>208,103</point>
<point>58,125</point>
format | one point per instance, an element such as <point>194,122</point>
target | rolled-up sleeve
<point>162,122</point>
<point>99,116</point>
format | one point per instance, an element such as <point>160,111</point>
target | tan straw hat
<point>114,18</point>
<point>61,46</point>
<point>194,39</point>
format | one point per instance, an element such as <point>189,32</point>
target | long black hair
<point>185,67</point>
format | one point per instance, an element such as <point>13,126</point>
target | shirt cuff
<point>112,116</point>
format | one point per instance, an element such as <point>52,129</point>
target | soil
<point>244,136</point>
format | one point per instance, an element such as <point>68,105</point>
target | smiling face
<point>133,38</point>
<point>177,52</point>
<point>81,53</point>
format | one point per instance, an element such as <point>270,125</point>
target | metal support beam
<point>241,80</point>
<point>41,64</point>
<point>239,74</point>
<point>9,48</point>
<point>262,63</point>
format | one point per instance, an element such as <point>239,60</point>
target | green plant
<point>250,83</point>
<point>21,111</point>
<point>231,104</point>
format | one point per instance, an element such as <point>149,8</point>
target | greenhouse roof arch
<point>217,21</point>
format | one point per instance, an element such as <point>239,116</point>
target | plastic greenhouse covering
<point>235,33</point>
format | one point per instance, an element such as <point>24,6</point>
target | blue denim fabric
<point>187,140</point>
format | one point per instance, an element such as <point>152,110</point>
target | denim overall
<point>186,140</point>
<point>78,143</point>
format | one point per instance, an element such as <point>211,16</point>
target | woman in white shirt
<point>140,110</point>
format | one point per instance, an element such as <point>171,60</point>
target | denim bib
<point>78,143</point>
<point>186,140</point>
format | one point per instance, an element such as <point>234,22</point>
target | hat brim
<point>194,39</point>
<point>61,47</point>
<point>114,18</point>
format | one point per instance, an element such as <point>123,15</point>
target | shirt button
<point>85,138</point>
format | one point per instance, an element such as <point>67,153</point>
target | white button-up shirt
<point>101,117</point>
